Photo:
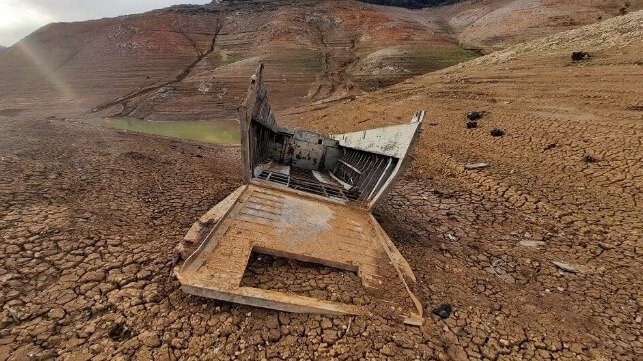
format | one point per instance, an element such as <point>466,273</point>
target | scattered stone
<point>566,267</point>
<point>388,350</point>
<point>590,159</point>
<point>272,322</point>
<point>606,246</point>
<point>14,314</point>
<point>580,55</point>
<point>497,269</point>
<point>120,332</point>
<point>531,243</point>
<point>330,336</point>
<point>451,236</point>
<point>474,166</point>
<point>443,311</point>
<point>176,343</point>
<point>475,115</point>
<point>497,132</point>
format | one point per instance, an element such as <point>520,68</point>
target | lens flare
<point>39,60</point>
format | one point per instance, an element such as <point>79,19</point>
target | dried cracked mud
<point>90,217</point>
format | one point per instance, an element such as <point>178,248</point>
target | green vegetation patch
<point>426,62</point>
<point>219,132</point>
<point>306,62</point>
<point>228,58</point>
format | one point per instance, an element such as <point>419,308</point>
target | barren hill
<point>496,24</point>
<point>192,62</point>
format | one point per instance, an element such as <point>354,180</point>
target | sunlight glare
<point>18,14</point>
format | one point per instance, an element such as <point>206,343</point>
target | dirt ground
<point>90,217</point>
<point>539,254</point>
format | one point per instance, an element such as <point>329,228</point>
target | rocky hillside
<point>411,4</point>
<point>193,62</point>
<point>496,24</point>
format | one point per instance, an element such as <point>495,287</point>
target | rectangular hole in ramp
<point>301,278</point>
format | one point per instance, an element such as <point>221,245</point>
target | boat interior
<point>318,164</point>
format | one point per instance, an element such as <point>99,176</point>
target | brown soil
<point>304,278</point>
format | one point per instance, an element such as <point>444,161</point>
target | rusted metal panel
<point>393,141</point>
<point>290,224</point>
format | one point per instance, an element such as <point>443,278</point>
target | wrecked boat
<point>308,197</point>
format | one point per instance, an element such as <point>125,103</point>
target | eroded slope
<point>496,24</point>
<point>192,62</point>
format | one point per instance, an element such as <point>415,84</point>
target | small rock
<point>472,124</point>
<point>590,159</point>
<point>443,311</point>
<point>451,236</point>
<point>388,350</point>
<point>176,343</point>
<point>120,332</point>
<point>475,115</point>
<point>497,132</point>
<point>14,314</point>
<point>272,322</point>
<point>473,166</point>
<point>580,55</point>
<point>606,246</point>
<point>329,336</point>
<point>531,243</point>
<point>565,267</point>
